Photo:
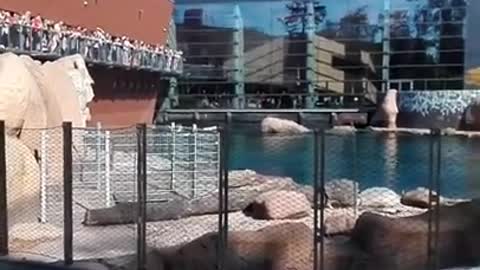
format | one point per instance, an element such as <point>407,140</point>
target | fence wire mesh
<point>372,190</point>
<point>31,175</point>
<point>183,168</point>
<point>271,209</point>
<point>104,172</point>
<point>248,200</point>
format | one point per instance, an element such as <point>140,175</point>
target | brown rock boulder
<point>419,197</point>
<point>279,204</point>
<point>401,243</point>
<point>280,247</point>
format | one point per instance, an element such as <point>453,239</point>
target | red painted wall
<point>124,98</point>
<point>139,19</point>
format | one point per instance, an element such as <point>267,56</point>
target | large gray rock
<point>279,204</point>
<point>379,197</point>
<point>342,192</point>
<point>277,125</point>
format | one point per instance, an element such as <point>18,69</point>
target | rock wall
<point>23,183</point>
<point>436,109</point>
<point>35,98</point>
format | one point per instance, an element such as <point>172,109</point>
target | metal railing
<point>51,44</point>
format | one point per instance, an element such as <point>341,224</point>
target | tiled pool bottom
<point>398,161</point>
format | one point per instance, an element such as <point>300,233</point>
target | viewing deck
<point>94,51</point>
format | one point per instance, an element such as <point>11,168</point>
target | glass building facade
<point>325,46</point>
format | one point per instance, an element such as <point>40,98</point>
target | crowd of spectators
<point>39,35</point>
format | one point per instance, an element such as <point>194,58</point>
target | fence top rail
<point>131,129</point>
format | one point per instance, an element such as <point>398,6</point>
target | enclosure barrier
<point>260,218</point>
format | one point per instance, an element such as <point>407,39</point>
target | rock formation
<point>76,69</point>
<point>388,111</point>
<point>48,89</point>
<point>277,125</point>
<point>23,182</point>
<point>17,88</point>
<point>39,97</point>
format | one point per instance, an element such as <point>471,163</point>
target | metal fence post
<point>354,174</point>
<point>68,194</point>
<point>142,194</point>
<point>221,168</point>
<point>3,191</point>
<point>226,153</point>
<point>172,159</point>
<point>433,199</point>
<point>43,176</point>
<point>98,151</point>
<point>322,199</point>
<point>223,199</point>
<point>316,207</point>
<point>108,200</point>
<point>437,184</point>
<point>195,146</point>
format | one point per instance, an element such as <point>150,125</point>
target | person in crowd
<point>37,33</point>
<point>48,42</point>
<point>56,34</point>
<point>15,31</point>
<point>25,31</point>
<point>117,51</point>
<point>5,29</point>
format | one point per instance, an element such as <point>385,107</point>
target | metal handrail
<point>48,43</point>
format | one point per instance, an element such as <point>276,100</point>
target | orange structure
<point>123,97</point>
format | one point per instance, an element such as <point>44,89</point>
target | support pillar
<point>310,57</point>
<point>386,46</point>
<point>239,61</point>
<point>171,99</point>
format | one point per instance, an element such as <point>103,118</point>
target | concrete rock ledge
<point>412,131</point>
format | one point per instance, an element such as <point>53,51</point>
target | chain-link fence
<point>197,198</point>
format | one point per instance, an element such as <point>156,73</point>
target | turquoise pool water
<point>400,162</point>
